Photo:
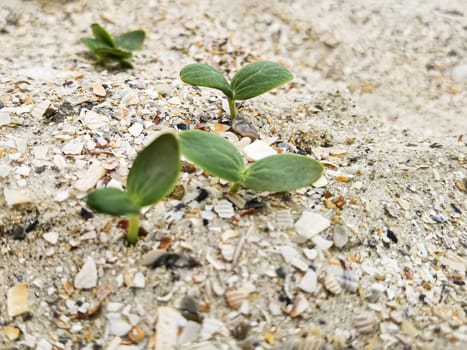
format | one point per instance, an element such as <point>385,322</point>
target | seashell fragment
<point>13,197</point>
<point>347,280</point>
<point>340,236</point>
<point>224,209</point>
<point>309,282</point>
<point>12,333</point>
<point>284,219</point>
<point>39,110</point>
<point>300,305</point>
<point>310,224</point>
<point>209,327</point>
<point>87,276</point>
<point>331,284</point>
<point>235,298</point>
<point>98,90</point>
<point>190,332</point>
<point>17,299</point>
<point>136,334</point>
<point>365,322</point>
<point>167,328</point>
<point>310,343</point>
<point>258,150</point>
<point>90,178</point>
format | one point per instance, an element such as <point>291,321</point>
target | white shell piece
<point>60,196</point>
<point>39,110</point>
<point>365,322</point>
<point>90,177</point>
<point>235,298</point>
<point>167,328</point>
<point>310,254</point>
<point>288,253</point>
<point>118,326</point>
<point>459,73</point>
<point>310,224</point>
<point>201,346</point>
<point>40,152</point>
<point>340,236</point>
<point>139,281</point>
<point>299,263</point>
<point>136,129</point>
<point>51,237</point>
<point>87,276</point>
<point>190,332</point>
<point>227,251</point>
<point>98,90</point>
<point>217,264</point>
<point>258,150</point>
<point>72,147</point>
<point>4,118</point>
<point>321,182</point>
<point>209,327</point>
<point>284,219</point>
<point>224,209</point>
<point>321,243</point>
<point>13,197</point>
<point>332,285</point>
<point>93,120</point>
<point>300,305</point>
<point>309,282</point>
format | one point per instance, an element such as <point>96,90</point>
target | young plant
<point>120,49</point>
<point>152,177</point>
<point>277,173</point>
<point>250,81</point>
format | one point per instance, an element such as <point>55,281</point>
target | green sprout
<point>151,178</point>
<point>120,49</point>
<point>250,81</point>
<point>276,173</point>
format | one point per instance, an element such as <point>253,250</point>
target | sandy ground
<point>375,98</point>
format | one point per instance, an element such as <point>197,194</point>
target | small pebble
<point>17,300</point>
<point>87,276</point>
<point>459,73</point>
<point>244,128</point>
<point>340,236</point>
<point>98,90</point>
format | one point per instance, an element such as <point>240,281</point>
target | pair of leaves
<point>120,48</point>
<point>153,176</point>
<point>250,81</point>
<point>277,173</point>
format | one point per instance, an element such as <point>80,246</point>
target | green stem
<point>133,229</point>
<point>235,187</point>
<point>233,111</point>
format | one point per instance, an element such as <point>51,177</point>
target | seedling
<point>120,49</point>
<point>152,177</point>
<point>250,81</point>
<point>276,173</point>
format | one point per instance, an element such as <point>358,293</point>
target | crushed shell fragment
<point>235,298</point>
<point>365,322</point>
<point>17,300</point>
<point>332,285</point>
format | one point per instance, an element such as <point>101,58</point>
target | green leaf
<point>282,172</point>
<point>126,63</point>
<point>212,153</point>
<point>93,44</point>
<point>257,78</point>
<point>155,171</point>
<point>101,34</point>
<point>131,41</point>
<point>112,201</point>
<point>204,75</point>
<point>113,53</point>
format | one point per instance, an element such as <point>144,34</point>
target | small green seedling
<point>152,177</point>
<point>252,80</point>
<point>120,49</point>
<point>277,173</point>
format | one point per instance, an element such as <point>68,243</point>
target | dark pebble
<point>438,218</point>
<point>372,242</point>
<point>281,272</point>
<point>203,194</point>
<point>456,208</point>
<point>182,126</point>
<point>86,214</point>
<point>391,235</point>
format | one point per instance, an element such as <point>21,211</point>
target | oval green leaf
<point>101,34</point>
<point>257,78</point>
<point>113,53</point>
<point>112,201</point>
<point>131,41</point>
<point>155,171</point>
<point>282,172</point>
<point>93,44</point>
<point>204,75</point>
<point>213,154</point>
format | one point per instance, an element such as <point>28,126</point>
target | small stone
<point>12,333</point>
<point>98,90</point>
<point>258,150</point>
<point>87,276</point>
<point>242,127</point>
<point>17,299</point>
<point>60,196</point>
<point>5,118</point>
<point>139,281</point>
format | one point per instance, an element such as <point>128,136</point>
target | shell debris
<point>17,299</point>
<point>235,298</point>
<point>86,278</point>
<point>14,197</point>
<point>224,209</point>
<point>167,326</point>
<point>309,282</point>
<point>299,306</point>
<point>366,322</point>
<point>258,150</point>
<point>310,224</point>
<point>90,177</point>
<point>331,284</point>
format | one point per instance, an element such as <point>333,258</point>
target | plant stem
<point>235,187</point>
<point>233,111</point>
<point>133,228</point>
